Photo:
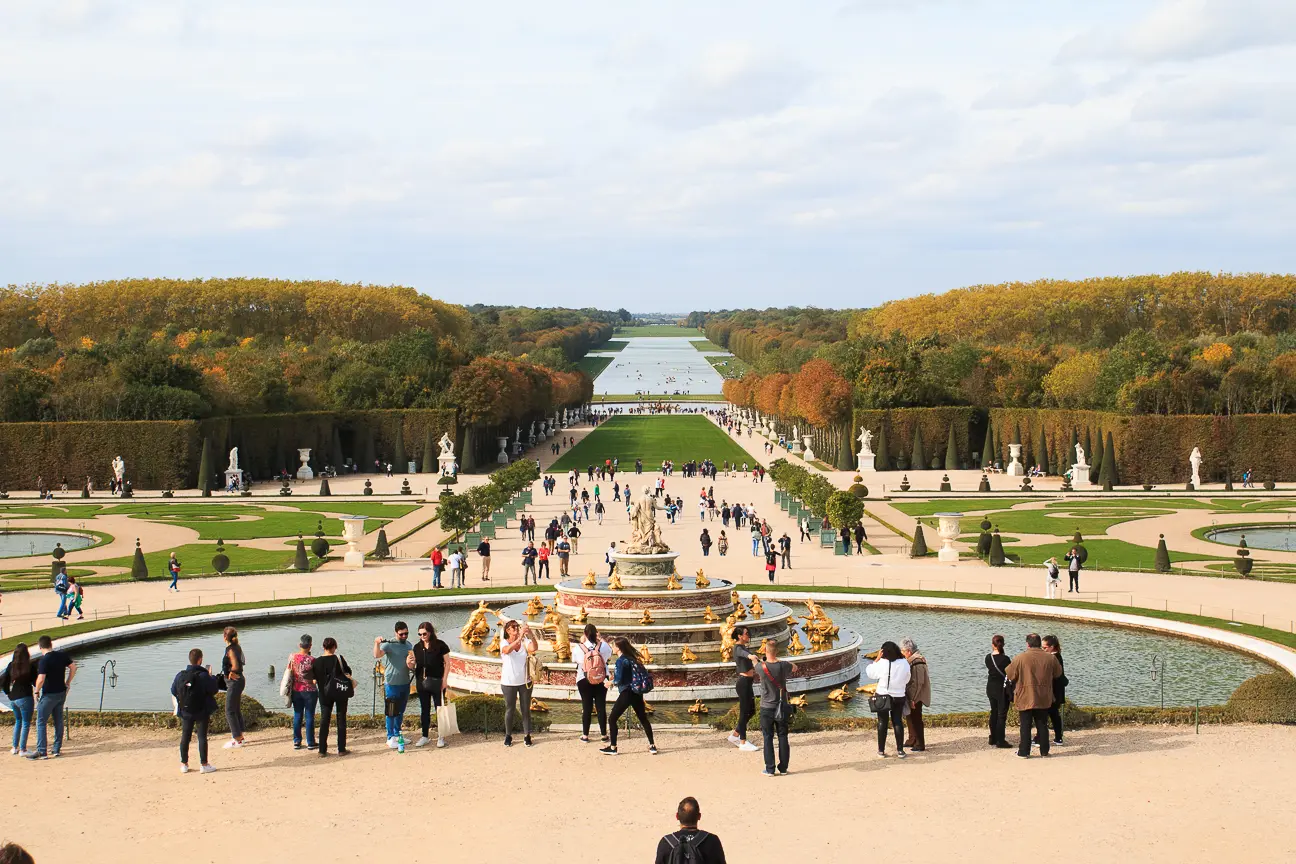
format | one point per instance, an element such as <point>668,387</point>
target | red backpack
<point>594,666</point>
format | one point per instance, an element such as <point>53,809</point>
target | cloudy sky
<point>660,155</point>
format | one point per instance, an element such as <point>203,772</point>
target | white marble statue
<point>118,468</point>
<point>1080,455</point>
<point>233,463</point>
<point>1195,459</point>
<point>866,443</point>
<point>645,536</point>
<point>447,446</point>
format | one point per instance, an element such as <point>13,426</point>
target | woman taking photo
<point>17,682</point>
<point>627,660</point>
<point>515,682</point>
<point>591,673</point>
<point>891,671</point>
<point>232,664</point>
<point>304,693</point>
<point>998,690</point>
<point>324,670</point>
<point>430,678</point>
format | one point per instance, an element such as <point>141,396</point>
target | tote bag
<point>447,720</point>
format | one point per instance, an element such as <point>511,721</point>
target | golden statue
<point>645,656</point>
<point>687,655</point>
<point>798,701</point>
<point>646,617</point>
<point>740,611</point>
<point>757,610</point>
<point>475,628</point>
<point>648,709</point>
<point>733,597</point>
<point>615,582</point>
<point>867,688</point>
<point>791,620</point>
<point>581,617</point>
<point>816,611</point>
<point>673,583</point>
<point>701,580</point>
<point>590,581</point>
<point>760,650</point>
<point>710,617</point>
<point>494,646</point>
<point>561,641</point>
<point>873,655</point>
<point>726,638</point>
<point>538,706</point>
<point>795,646</point>
<point>534,606</point>
<point>698,708</point>
<point>841,694</point>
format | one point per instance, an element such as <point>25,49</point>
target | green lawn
<point>661,397</point>
<point>655,330</point>
<point>705,345</point>
<point>653,439</point>
<point>729,367</point>
<point>386,512</point>
<point>51,511</point>
<point>195,559</point>
<point>958,505</point>
<point>592,366</point>
<point>1103,554</point>
<point>221,520</point>
<point>612,345</point>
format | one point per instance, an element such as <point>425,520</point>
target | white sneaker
<point>748,747</point>
<point>231,744</point>
<point>393,743</point>
<point>13,751</point>
<point>423,742</point>
<point>441,742</point>
<point>734,739</point>
<point>207,769</point>
<point>184,769</point>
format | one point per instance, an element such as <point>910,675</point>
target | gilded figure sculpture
<point>561,641</point>
<point>589,581</point>
<point>710,617</point>
<point>799,701</point>
<point>615,582</point>
<point>646,617</point>
<point>757,610</point>
<point>538,706</point>
<point>475,628</point>
<point>698,708</point>
<point>841,694</point>
<point>733,597</point>
<point>795,646</point>
<point>687,655</point>
<point>673,583</point>
<point>701,580</point>
<point>740,610</point>
<point>726,638</point>
<point>645,656</point>
<point>581,617</point>
<point>867,688</point>
<point>534,606</point>
<point>494,646</point>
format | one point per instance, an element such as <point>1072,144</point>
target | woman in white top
<point>593,693</point>
<point>1054,575</point>
<point>518,644</point>
<point>891,671</point>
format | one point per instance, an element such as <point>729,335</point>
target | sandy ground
<point>117,796</point>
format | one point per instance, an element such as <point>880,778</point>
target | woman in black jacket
<point>326,667</point>
<point>1053,645</point>
<point>998,690</point>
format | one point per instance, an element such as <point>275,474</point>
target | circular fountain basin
<point>20,544</point>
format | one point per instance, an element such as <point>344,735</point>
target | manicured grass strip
<point>592,366</point>
<point>1104,554</point>
<point>386,512</point>
<point>659,397</point>
<point>1040,522</point>
<point>641,330</point>
<point>195,560</point>
<point>653,439</point>
<point>265,524</point>
<point>729,366</point>
<point>75,628</point>
<point>50,511</point>
<point>705,345</point>
<point>958,505</point>
<point>612,345</point>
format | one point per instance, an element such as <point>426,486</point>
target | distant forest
<point>1184,343</point>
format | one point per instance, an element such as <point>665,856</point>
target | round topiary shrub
<point>857,479</point>
<point>368,490</point>
<point>1267,698</point>
<point>1270,485</point>
<point>444,480</point>
<point>220,561</point>
<point>858,490</point>
<point>253,713</point>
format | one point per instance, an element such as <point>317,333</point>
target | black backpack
<point>685,851</point>
<point>193,696</point>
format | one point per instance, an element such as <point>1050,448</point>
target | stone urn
<point>948,531</point>
<point>503,456</point>
<point>1015,467</point>
<point>353,533</point>
<point>304,472</point>
<point>809,452</point>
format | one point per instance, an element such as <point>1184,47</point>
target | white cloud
<point>732,80</point>
<point>1183,30</point>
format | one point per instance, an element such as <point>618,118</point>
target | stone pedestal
<point>353,533</point>
<point>503,456</point>
<point>948,533</point>
<point>809,449</point>
<point>796,446</point>
<point>304,472</point>
<point>1080,476</point>
<point>867,462</point>
<point>446,462</point>
<point>232,475</point>
<point>1015,467</point>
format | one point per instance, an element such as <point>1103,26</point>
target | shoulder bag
<point>1010,689</point>
<point>880,703</point>
<point>784,710</point>
<point>340,685</point>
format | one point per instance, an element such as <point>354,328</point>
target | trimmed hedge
<point>1268,698</point>
<point>936,425</point>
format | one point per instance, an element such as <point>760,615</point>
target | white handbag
<point>447,720</point>
<point>285,686</point>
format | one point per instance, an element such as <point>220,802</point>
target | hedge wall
<point>157,453</point>
<point>1154,448</point>
<point>935,424</point>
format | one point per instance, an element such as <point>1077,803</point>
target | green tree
<point>139,567</point>
<point>844,510</point>
<point>1042,452</point>
<point>1095,467</point>
<point>429,458</point>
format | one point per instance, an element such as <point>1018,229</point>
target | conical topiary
<point>998,447</point>
<point>319,546</point>
<point>336,452</point>
<point>1088,448</point>
<point>398,450</point>
<point>300,561</point>
<point>139,568</point>
<point>381,550</point>
<point>945,484</point>
<point>1095,464</point>
<point>904,483</point>
<point>951,451</point>
<point>324,486</point>
<point>1108,475</point>
<point>1042,452</point>
<point>996,558</point>
<point>846,449</point>
<point>1070,454</point>
<point>919,547</point>
<point>1242,564</point>
<point>917,461</point>
<point>882,462</point>
<point>1162,556</point>
<point>204,470</point>
<point>220,561</point>
<point>429,458</point>
<point>985,483</point>
<point>987,448</point>
<point>984,539</point>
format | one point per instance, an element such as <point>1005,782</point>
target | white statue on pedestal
<point>233,463</point>
<point>1080,454</point>
<point>645,536</point>
<point>1080,470</point>
<point>866,442</point>
<point>118,469</point>
<point>447,446</point>
<point>446,459</point>
<point>1195,459</point>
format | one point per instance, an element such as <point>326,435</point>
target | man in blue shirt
<point>55,672</point>
<point>398,659</point>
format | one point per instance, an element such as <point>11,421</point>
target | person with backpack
<point>591,672</point>
<point>689,845</point>
<point>483,551</point>
<point>75,595</point>
<point>335,685</point>
<point>61,589</point>
<point>1052,578</point>
<point>632,681</point>
<point>438,564</point>
<point>194,690</point>
<point>173,567</point>
<point>999,691</point>
<point>529,556</point>
<point>891,671</point>
<point>771,563</point>
<point>776,707</point>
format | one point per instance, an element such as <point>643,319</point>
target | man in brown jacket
<point>918,694</point>
<point>1032,673</point>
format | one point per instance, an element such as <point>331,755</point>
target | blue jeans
<point>755,543</point>
<point>175,579</point>
<point>436,575</point>
<point>22,709</point>
<point>63,599</point>
<point>398,693</point>
<point>303,703</point>
<point>50,706</point>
